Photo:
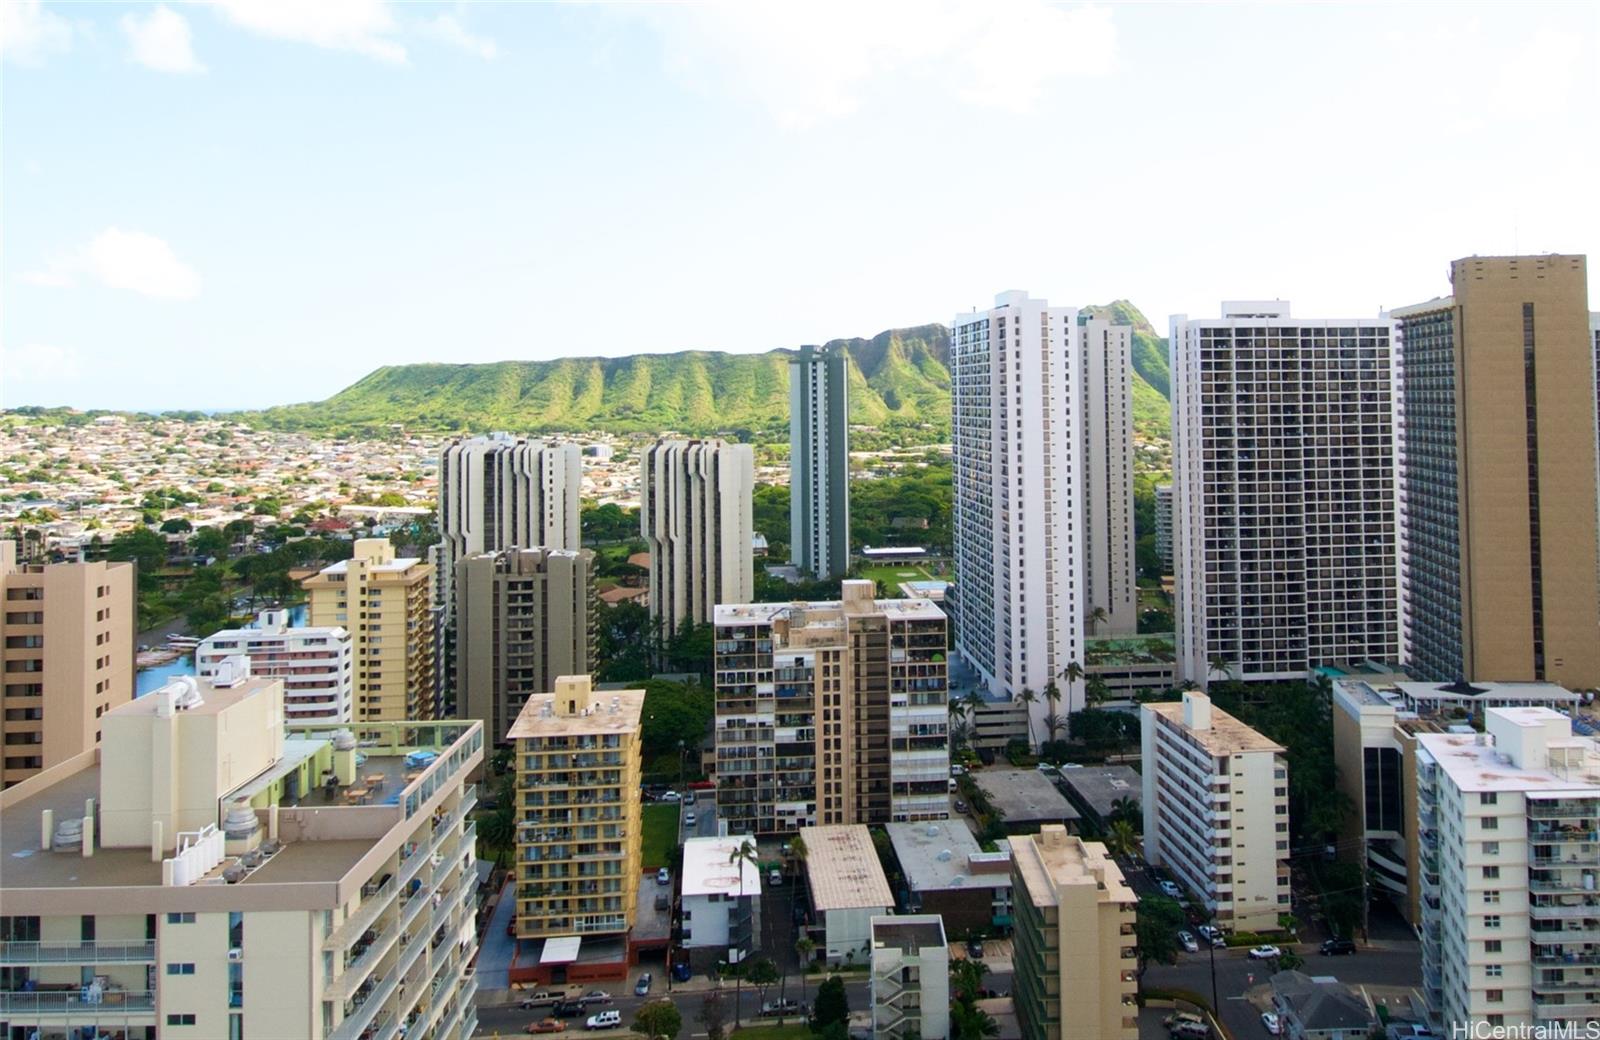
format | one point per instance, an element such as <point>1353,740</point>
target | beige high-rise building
<point>695,516</point>
<point>1498,474</point>
<point>68,647</point>
<point>578,821</point>
<point>831,712</point>
<point>214,871</point>
<point>1074,939</point>
<point>524,617</point>
<point>385,603</point>
<point>1107,423</point>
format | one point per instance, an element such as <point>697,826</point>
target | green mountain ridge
<point>899,379</point>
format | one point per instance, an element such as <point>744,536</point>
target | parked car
<point>1265,953</point>
<point>1212,935</point>
<point>543,998</point>
<point>671,796</point>
<point>1182,1016</point>
<point>961,806</point>
<point>688,798</point>
<point>774,876</point>
<point>953,785</point>
<point>1187,941</point>
<point>1337,947</point>
<point>1170,888</point>
<point>604,1020</point>
<point>546,1025</point>
<point>1190,1031</point>
<point>567,1009</point>
<point>785,1006</point>
<point>688,819</point>
<point>663,901</point>
<point>663,876</point>
<point>957,770</point>
<point>975,949</point>
<point>1045,767</point>
<point>681,971</point>
<point>642,987</point>
<point>1269,1022</point>
<point>595,996</point>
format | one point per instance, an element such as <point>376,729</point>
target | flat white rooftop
<point>1475,762</point>
<point>708,868</point>
<point>843,869</point>
<point>822,612</point>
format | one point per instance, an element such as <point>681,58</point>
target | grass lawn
<point>660,834</point>
<point>892,576</point>
<point>791,1031</point>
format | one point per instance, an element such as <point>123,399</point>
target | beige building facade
<point>578,821</point>
<point>1075,968</point>
<point>695,516</point>
<point>213,871</point>
<point>385,603</point>
<point>1499,475</point>
<point>67,632</point>
<point>831,712</point>
<point>524,617</point>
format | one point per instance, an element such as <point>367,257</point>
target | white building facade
<point>695,517</point>
<point>1216,810</point>
<point>719,896</point>
<point>819,461</point>
<point>1510,858</point>
<point>910,981</point>
<point>315,664</point>
<point>1285,532</point>
<point>1018,522</point>
<point>1109,558</point>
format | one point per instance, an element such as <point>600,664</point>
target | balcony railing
<point>88,953</point>
<point>18,1007</point>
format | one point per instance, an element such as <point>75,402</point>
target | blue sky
<point>251,202</point>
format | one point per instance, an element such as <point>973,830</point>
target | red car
<point>546,1025</point>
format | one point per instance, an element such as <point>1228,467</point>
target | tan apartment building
<point>524,617</point>
<point>1075,972</point>
<point>578,821</point>
<point>385,603</point>
<point>214,871</point>
<point>1499,475</point>
<point>1216,810</point>
<point>831,712</point>
<point>68,647</point>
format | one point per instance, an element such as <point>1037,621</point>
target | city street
<point>1397,966</point>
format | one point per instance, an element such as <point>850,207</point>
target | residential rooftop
<point>709,870</point>
<point>842,868</point>
<point>1025,796</point>
<point>1053,859</point>
<point>1526,749</point>
<point>817,613</point>
<point>1101,787</point>
<point>942,854</point>
<point>576,709</point>
<point>908,933</point>
<point>1225,736</point>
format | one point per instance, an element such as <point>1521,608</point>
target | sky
<point>243,203</point>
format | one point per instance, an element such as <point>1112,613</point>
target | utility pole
<point>1216,1007</point>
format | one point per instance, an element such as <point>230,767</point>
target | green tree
<point>832,1005</point>
<point>177,525</point>
<point>739,858</point>
<point>969,1022</point>
<point>1029,699</point>
<point>210,541</point>
<point>658,1020</point>
<point>804,946</point>
<point>1155,925</point>
<point>498,831</point>
<point>763,975</point>
<point>1122,839</point>
<point>966,979</point>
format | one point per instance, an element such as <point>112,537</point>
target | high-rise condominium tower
<point>819,461</point>
<point>386,604</point>
<point>1107,423</point>
<point>1285,548</point>
<point>831,712</point>
<point>499,492</point>
<point>1499,474</point>
<point>1042,487</point>
<point>526,617</point>
<point>67,633</point>
<point>695,516</point>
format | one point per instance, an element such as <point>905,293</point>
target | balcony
<point>23,1007</point>
<point>1579,911</point>
<point>86,953</point>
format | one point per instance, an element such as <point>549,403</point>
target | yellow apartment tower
<point>386,604</point>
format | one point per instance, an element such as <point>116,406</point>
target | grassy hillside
<point>899,380</point>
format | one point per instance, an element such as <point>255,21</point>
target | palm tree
<point>1053,724</point>
<point>971,1023</point>
<point>745,853</point>
<point>1217,664</point>
<point>1121,839</point>
<point>1072,672</point>
<point>1052,693</point>
<point>803,946</point>
<point>1095,690</point>
<point>973,700</point>
<point>1097,616</point>
<point>1029,698</point>
<point>498,830</point>
<point>1126,808</point>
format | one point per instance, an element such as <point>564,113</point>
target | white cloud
<point>39,363</point>
<point>1540,77</point>
<point>131,260</point>
<point>446,28</point>
<point>161,40</point>
<point>813,63</point>
<point>29,33</point>
<point>363,26</point>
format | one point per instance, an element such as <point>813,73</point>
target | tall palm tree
<point>1121,840</point>
<point>1052,693</point>
<point>803,946</point>
<point>971,1023</point>
<point>1095,690</point>
<point>1053,724</point>
<point>1072,672</point>
<point>1029,698</point>
<point>1126,808</point>
<point>745,853</point>
<point>1097,616</point>
<point>1217,664</point>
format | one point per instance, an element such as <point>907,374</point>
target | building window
<point>183,918</point>
<point>180,1020</point>
<point>1491,873</point>
<point>1491,823</point>
<point>1491,896</point>
<point>1494,971</point>
<point>180,969</point>
<point>1492,921</point>
<point>1491,946</point>
<point>1488,798</point>
<point>1494,996</point>
<point>1491,848</point>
